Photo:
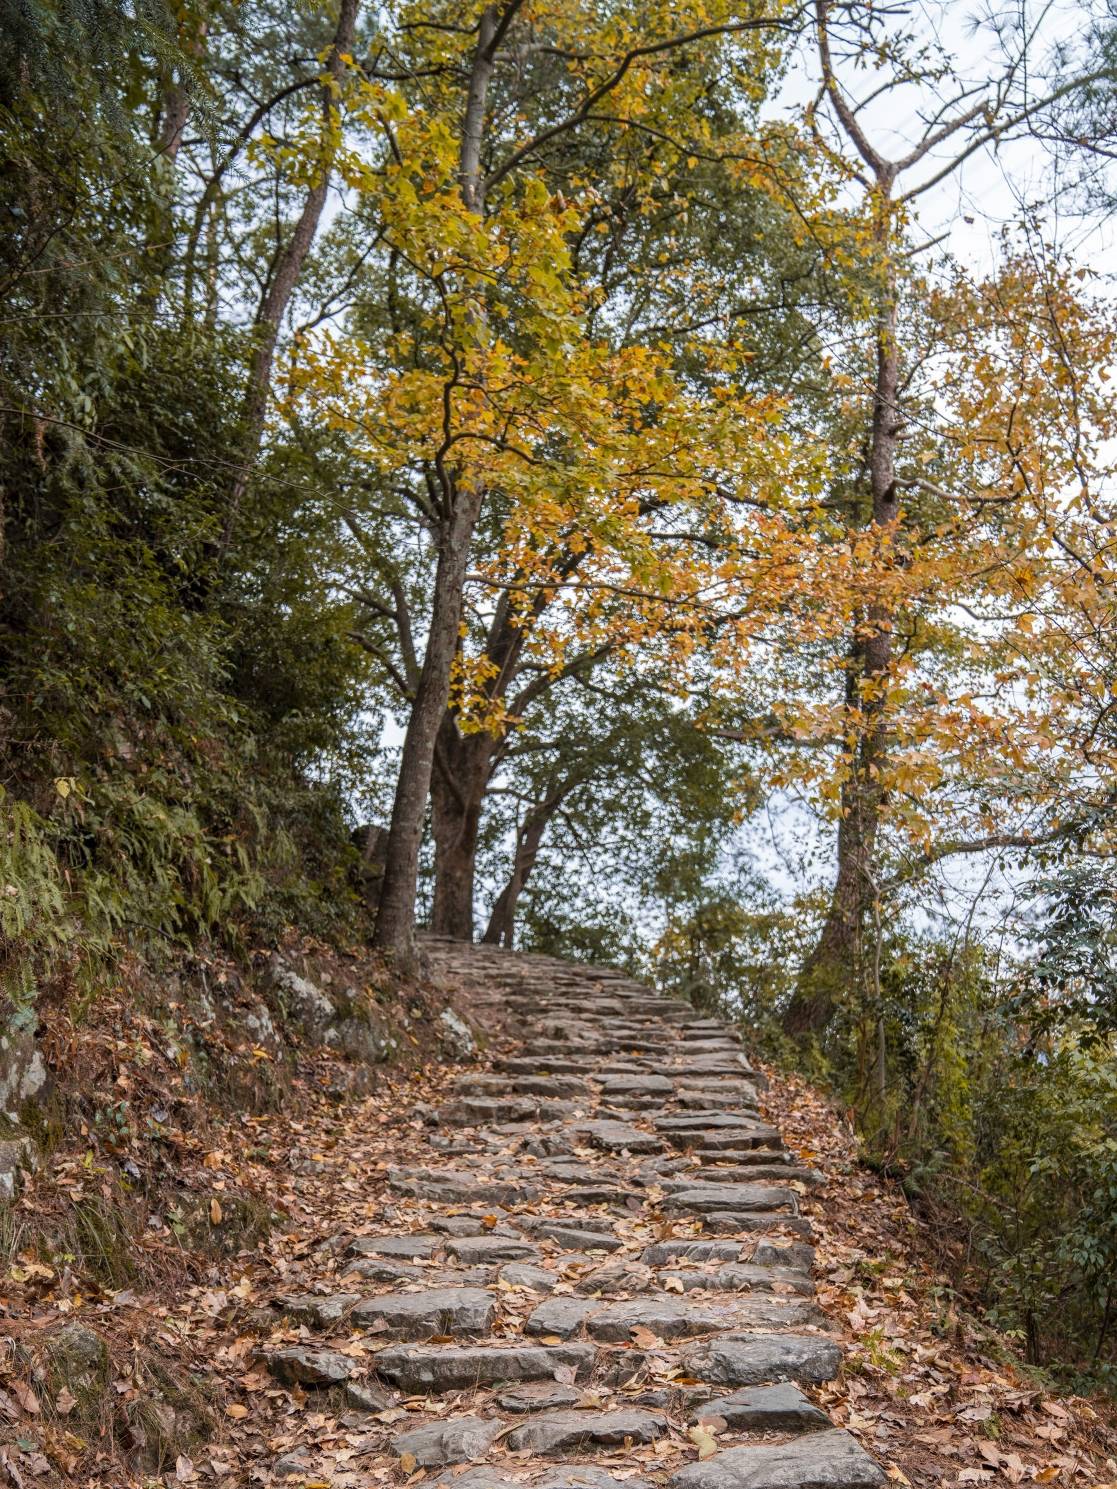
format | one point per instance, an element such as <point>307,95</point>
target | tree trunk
<point>502,920</point>
<point>826,972</point>
<point>528,838</point>
<point>395,920</point>
<point>288,267</point>
<point>462,768</point>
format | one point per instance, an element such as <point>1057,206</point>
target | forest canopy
<point>635,483</point>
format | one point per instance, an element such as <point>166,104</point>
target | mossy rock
<point>241,1221</point>
<point>76,1358</point>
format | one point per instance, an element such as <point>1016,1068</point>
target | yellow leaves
<point>701,1435</point>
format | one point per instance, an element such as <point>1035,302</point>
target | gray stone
<point>468,1225</point>
<point>537,1396</point>
<point>791,1254</point>
<point>18,1156</point>
<point>617,1137</point>
<point>303,1001</point>
<point>382,1269</point>
<point>459,1440</point>
<point>708,1120</point>
<point>605,1193</point>
<point>475,1111</point>
<point>321,1312</point>
<point>489,1248</point>
<point>756,1359</point>
<point>662,1253</point>
<point>293,1465</point>
<point>641,1085</point>
<point>732,1143</point>
<point>739,1277</point>
<point>406,1248</point>
<point>820,1460</point>
<point>562,1431</point>
<point>23,1075</point>
<point>780,1408</point>
<point>616,1277</point>
<point>310,1367</point>
<point>737,1222</point>
<point>453,1187</point>
<point>76,1357</point>
<point>707,1198</point>
<point>579,1476</point>
<point>363,1397</point>
<point>586,1476</point>
<point>432,1367</point>
<point>448,1310</point>
<point>457,1034</point>
<point>535,1279</point>
<point>750,1173</point>
<point>666,1317</point>
<point>572,1239</point>
<point>561,1316</point>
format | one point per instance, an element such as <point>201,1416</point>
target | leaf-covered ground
<point>927,1386</point>
<point>183,1398</point>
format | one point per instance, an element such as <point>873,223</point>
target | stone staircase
<point>595,1269</point>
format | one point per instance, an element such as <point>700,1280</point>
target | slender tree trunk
<point>395,919</point>
<point>499,931</point>
<point>462,767</point>
<point>288,267</point>
<point>529,836</point>
<point>828,969</point>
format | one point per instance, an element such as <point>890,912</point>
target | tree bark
<point>395,920</point>
<point>826,973</point>
<point>462,770</point>
<point>288,267</point>
<point>461,508</point>
<point>501,926</point>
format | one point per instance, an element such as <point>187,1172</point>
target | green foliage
<point>179,710</point>
<point>1001,1125</point>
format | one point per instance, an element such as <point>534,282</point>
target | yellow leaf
<point>408,1462</point>
<point>215,1211</point>
<point>703,1439</point>
<point>236,1411</point>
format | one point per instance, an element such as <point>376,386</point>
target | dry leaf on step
<point>703,1439</point>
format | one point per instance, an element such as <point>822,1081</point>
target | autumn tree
<point>496,401</point>
<point>885,493</point>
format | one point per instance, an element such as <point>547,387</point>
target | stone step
<point>821,1460</point>
<point>461,1311</point>
<point>457,1186</point>
<point>554,1432</point>
<point>424,1368</point>
<point>781,1408</point>
<point>759,1359</point>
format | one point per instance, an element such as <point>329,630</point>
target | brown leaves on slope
<point>936,1395</point>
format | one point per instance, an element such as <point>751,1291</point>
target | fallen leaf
<point>26,1397</point>
<point>215,1211</point>
<point>408,1462</point>
<point>65,1402</point>
<point>703,1439</point>
<point>236,1411</point>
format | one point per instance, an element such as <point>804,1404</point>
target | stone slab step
<point>437,1368</point>
<point>781,1408</point>
<point>449,1310</point>
<point>821,1460</point>
<point>571,1431</point>
<point>761,1359</point>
